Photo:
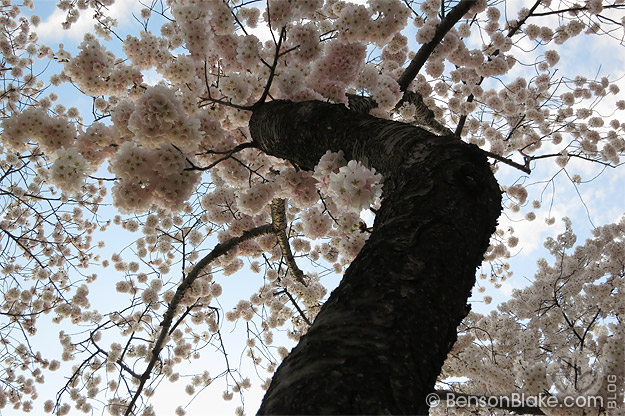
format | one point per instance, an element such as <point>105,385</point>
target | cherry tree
<point>275,130</point>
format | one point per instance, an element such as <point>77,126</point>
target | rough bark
<point>380,340</point>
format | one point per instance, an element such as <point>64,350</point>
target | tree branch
<point>523,168</point>
<point>360,104</point>
<point>294,302</point>
<point>423,117</point>
<point>511,33</point>
<point>427,48</point>
<point>368,320</point>
<point>278,216</point>
<point>219,250</point>
<point>272,68</point>
<point>227,154</point>
<point>577,9</point>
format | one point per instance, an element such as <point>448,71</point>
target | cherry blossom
<point>160,194</point>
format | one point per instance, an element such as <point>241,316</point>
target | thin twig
<point>523,168</point>
<point>278,216</point>
<point>227,155</point>
<point>577,9</point>
<point>272,70</point>
<point>301,312</point>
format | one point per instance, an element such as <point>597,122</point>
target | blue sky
<point>597,202</point>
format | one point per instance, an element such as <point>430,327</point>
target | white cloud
<point>50,28</point>
<point>507,288</point>
<point>532,234</point>
<point>151,77</point>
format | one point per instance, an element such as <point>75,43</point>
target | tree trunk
<point>380,340</point>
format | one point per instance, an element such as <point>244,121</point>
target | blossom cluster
<point>352,186</point>
<point>159,118</point>
<point>149,176</point>
<point>540,346</point>
<point>50,133</point>
<point>96,71</point>
<point>356,24</point>
<point>146,52</point>
<point>336,69</point>
<point>69,170</point>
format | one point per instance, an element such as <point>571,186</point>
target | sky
<point>171,395</point>
<point>49,28</point>
<point>593,203</point>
